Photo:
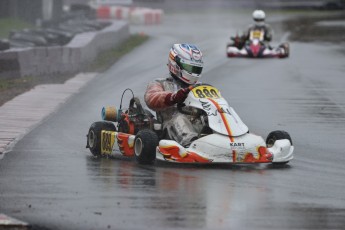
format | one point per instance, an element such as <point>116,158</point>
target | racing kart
<point>224,138</point>
<point>255,47</point>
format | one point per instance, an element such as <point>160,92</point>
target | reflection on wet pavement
<point>192,197</point>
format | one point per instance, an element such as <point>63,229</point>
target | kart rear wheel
<point>273,137</point>
<point>145,144</point>
<point>94,136</point>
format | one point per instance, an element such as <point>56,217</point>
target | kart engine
<point>130,121</point>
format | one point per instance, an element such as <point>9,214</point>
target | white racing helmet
<point>259,17</point>
<point>185,62</point>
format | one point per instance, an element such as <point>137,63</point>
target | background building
<point>31,10</point>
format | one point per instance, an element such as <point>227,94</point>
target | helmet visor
<point>259,19</point>
<point>191,68</point>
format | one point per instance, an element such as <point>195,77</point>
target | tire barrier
<point>71,58</point>
<point>134,15</point>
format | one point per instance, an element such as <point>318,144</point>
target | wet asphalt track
<point>51,181</point>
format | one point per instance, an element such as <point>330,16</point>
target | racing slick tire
<point>94,136</point>
<point>145,144</point>
<point>286,48</point>
<point>273,137</point>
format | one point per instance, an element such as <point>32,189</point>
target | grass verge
<point>308,29</point>
<point>8,24</point>
<point>10,88</point>
<point>109,57</point>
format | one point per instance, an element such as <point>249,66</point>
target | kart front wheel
<point>286,47</point>
<point>273,137</point>
<point>94,136</point>
<point>145,144</point>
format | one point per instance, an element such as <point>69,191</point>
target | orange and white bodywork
<point>216,148</point>
<point>117,142</point>
<point>230,142</point>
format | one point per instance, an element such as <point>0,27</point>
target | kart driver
<point>259,25</point>
<point>162,95</point>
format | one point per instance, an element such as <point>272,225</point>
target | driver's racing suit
<point>178,125</point>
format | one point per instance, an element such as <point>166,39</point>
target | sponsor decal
<point>237,145</point>
<point>207,107</point>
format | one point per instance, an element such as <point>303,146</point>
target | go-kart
<point>255,47</point>
<point>223,138</point>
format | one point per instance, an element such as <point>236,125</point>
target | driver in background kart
<point>162,95</point>
<point>259,17</point>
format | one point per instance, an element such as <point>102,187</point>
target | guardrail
<point>71,58</point>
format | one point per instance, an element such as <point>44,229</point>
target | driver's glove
<point>178,97</point>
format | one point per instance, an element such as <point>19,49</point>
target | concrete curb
<point>20,115</point>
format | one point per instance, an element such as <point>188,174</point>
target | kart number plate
<point>206,92</point>
<point>107,142</point>
<point>257,34</point>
